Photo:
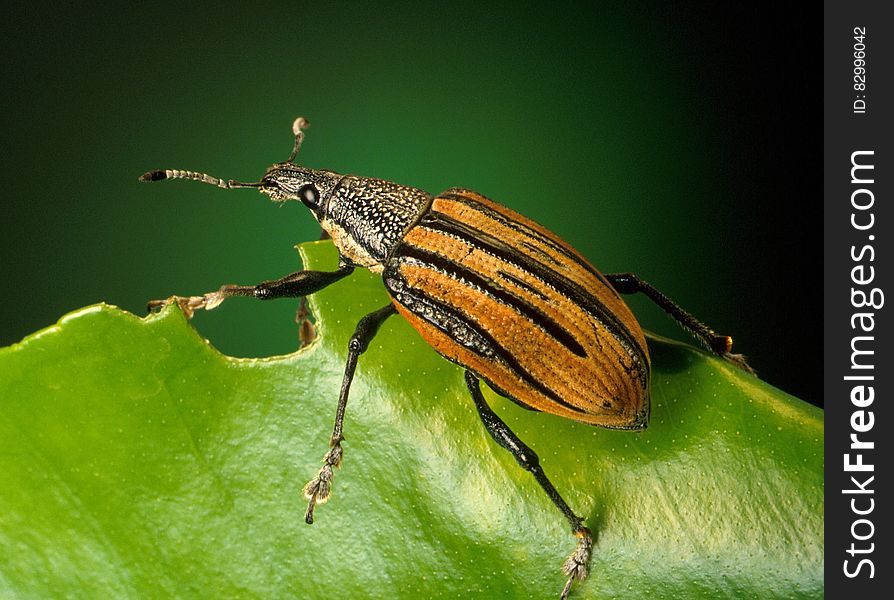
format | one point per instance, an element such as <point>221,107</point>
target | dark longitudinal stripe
<point>525,230</point>
<point>448,321</point>
<point>440,314</point>
<point>543,254</point>
<point>522,284</point>
<point>438,221</point>
<point>456,271</point>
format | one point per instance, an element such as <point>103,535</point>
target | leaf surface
<point>136,461</point>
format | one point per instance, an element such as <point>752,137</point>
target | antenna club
<point>299,124</point>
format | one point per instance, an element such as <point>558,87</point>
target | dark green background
<point>674,141</point>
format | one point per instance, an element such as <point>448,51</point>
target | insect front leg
<point>578,564</point>
<point>294,285</point>
<point>319,488</point>
<point>721,345</point>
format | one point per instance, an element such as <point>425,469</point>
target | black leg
<point>628,283</point>
<point>319,488</point>
<point>294,285</point>
<point>577,565</point>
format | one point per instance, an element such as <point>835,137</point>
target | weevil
<point>490,290</point>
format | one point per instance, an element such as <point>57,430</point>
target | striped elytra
<point>504,297</point>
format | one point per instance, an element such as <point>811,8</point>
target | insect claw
<point>722,345</point>
<point>566,589</point>
<point>740,360</point>
<point>212,300</point>
<point>577,566</point>
<point>309,513</point>
<point>187,304</point>
<point>190,304</point>
<point>318,489</point>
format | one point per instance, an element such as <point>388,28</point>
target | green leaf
<point>136,461</point>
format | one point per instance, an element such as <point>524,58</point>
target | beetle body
<point>490,290</point>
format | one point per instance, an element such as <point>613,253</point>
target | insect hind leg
<point>721,345</point>
<point>577,566</point>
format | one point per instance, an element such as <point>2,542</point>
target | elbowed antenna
<point>161,174</point>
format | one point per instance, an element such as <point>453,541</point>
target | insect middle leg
<point>577,565</point>
<point>628,283</point>
<point>294,285</point>
<point>319,488</point>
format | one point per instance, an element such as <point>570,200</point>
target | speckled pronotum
<point>490,290</point>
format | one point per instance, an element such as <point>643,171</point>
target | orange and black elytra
<point>488,289</point>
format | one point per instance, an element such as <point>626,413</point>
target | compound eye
<point>310,196</point>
